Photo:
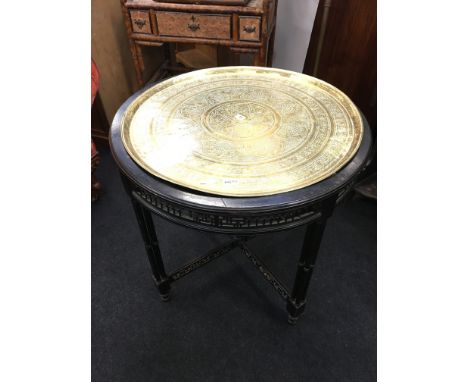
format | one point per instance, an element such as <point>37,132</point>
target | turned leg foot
<point>297,301</point>
<point>292,320</point>
<point>164,289</point>
<point>294,311</point>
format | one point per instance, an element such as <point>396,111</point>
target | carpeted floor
<point>225,322</point>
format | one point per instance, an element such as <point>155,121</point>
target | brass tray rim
<point>133,107</point>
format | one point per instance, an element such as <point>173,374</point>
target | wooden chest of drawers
<point>140,21</point>
<point>249,28</point>
<point>244,29</point>
<point>192,25</point>
<point>218,2</point>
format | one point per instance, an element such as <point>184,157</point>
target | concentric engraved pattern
<point>242,131</point>
<point>240,120</point>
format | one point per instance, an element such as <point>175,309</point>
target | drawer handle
<point>140,23</point>
<point>249,28</point>
<point>193,26</point>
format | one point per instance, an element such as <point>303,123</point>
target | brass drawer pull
<point>249,28</point>
<point>140,23</point>
<point>193,26</point>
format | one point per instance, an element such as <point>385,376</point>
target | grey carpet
<point>225,322</point>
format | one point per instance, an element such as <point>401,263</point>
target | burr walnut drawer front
<point>140,21</point>
<point>178,24</point>
<point>249,28</point>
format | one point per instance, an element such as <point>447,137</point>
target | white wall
<point>294,24</point>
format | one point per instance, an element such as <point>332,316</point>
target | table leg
<point>260,56</point>
<point>170,52</point>
<point>271,47</point>
<point>137,58</point>
<point>145,222</point>
<point>310,248</point>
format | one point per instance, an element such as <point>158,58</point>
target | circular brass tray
<point>242,131</point>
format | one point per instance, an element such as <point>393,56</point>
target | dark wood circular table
<point>242,218</point>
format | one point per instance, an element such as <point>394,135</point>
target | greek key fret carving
<point>224,220</point>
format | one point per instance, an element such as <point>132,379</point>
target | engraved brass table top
<point>242,131</point>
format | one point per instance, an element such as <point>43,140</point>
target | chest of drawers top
<point>253,6</point>
<point>227,24</point>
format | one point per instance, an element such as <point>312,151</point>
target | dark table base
<point>296,299</point>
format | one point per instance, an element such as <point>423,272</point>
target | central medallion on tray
<point>239,124</point>
<point>241,120</point>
